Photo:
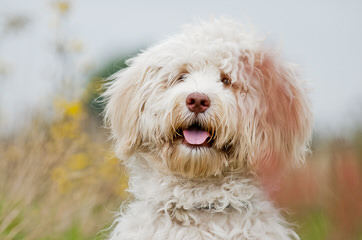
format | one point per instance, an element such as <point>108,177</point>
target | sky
<point>323,37</point>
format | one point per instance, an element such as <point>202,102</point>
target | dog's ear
<point>282,117</point>
<point>125,102</point>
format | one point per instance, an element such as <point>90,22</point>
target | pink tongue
<point>195,136</point>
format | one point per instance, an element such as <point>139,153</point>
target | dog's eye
<point>181,77</point>
<point>225,80</point>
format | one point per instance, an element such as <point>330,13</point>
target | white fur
<point>181,192</point>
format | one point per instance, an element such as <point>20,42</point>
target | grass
<point>60,181</point>
<point>325,195</point>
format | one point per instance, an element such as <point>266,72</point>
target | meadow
<point>60,180</point>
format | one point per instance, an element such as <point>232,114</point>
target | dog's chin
<point>195,148</point>
<point>192,154</point>
<point>194,161</point>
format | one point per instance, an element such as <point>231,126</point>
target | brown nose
<point>197,102</point>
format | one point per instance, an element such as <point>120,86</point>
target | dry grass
<point>325,196</point>
<point>58,180</point>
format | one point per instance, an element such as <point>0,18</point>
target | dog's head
<point>210,101</point>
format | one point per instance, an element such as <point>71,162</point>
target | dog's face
<point>209,102</point>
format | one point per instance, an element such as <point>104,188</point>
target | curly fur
<point>262,115</point>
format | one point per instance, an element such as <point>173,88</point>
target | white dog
<point>193,117</point>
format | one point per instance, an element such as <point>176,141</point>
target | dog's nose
<point>197,102</point>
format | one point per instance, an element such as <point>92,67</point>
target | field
<point>60,180</point>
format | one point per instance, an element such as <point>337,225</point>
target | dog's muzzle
<point>195,135</point>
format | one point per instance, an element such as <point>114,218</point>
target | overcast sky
<point>323,37</point>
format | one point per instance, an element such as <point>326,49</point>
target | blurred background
<point>59,178</point>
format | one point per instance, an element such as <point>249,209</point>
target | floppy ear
<point>282,118</point>
<point>124,105</point>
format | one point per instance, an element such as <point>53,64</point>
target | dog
<point>193,118</point>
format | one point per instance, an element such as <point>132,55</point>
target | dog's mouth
<point>195,136</point>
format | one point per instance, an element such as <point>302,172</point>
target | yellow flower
<point>78,161</point>
<point>62,6</point>
<point>73,109</point>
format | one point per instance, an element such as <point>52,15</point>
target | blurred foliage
<point>59,180</point>
<point>15,23</point>
<point>10,25</point>
<point>325,195</point>
<point>60,175</point>
<point>61,6</point>
<point>314,225</point>
<point>93,97</point>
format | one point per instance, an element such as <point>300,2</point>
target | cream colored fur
<point>261,117</point>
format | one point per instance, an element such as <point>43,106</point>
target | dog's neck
<point>169,191</point>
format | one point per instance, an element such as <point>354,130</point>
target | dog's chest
<point>152,222</point>
<point>167,209</point>
<point>143,220</point>
<point>231,211</point>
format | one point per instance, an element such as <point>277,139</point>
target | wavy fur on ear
<point>282,120</point>
<point>126,96</point>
